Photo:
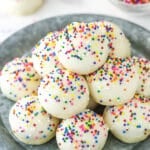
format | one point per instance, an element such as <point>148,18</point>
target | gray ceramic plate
<point>22,42</point>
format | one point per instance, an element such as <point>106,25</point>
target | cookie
<point>115,82</point>
<point>63,93</point>
<point>143,65</point>
<point>119,45</point>
<point>44,55</point>
<point>82,47</point>
<point>19,79</point>
<point>129,122</point>
<point>30,123</point>
<point>85,130</point>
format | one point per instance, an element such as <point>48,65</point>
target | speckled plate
<point>21,43</point>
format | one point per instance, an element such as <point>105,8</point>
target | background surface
<point>10,24</point>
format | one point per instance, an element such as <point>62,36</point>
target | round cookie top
<point>30,123</point>
<point>144,75</point>
<point>82,47</point>
<point>119,45</point>
<point>19,78</point>
<point>85,130</point>
<point>130,122</point>
<point>115,82</point>
<point>44,55</point>
<point>20,66</point>
<point>63,93</point>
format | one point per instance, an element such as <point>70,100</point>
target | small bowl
<point>132,8</point>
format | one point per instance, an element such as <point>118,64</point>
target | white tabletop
<point>10,24</point>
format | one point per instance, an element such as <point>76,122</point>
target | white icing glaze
<point>118,43</point>
<point>30,123</point>
<point>44,55</point>
<point>63,93</point>
<point>85,130</point>
<point>82,47</point>
<point>115,83</point>
<point>19,79</point>
<point>129,122</point>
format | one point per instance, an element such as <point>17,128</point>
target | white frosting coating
<point>30,123</point>
<point>82,47</point>
<point>115,83</point>
<point>129,122</point>
<point>118,43</point>
<point>19,79</point>
<point>44,55</point>
<point>63,93</point>
<point>85,130</point>
<point>144,76</point>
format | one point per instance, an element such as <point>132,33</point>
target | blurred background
<point>16,14</point>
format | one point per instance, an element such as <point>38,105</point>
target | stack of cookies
<point>70,73</point>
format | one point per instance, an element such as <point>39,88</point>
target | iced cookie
<point>30,123</point>
<point>118,43</point>
<point>85,130</point>
<point>129,122</point>
<point>21,7</point>
<point>63,93</point>
<point>82,47</point>
<point>114,83</point>
<point>44,55</point>
<point>19,79</point>
<point>144,75</point>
